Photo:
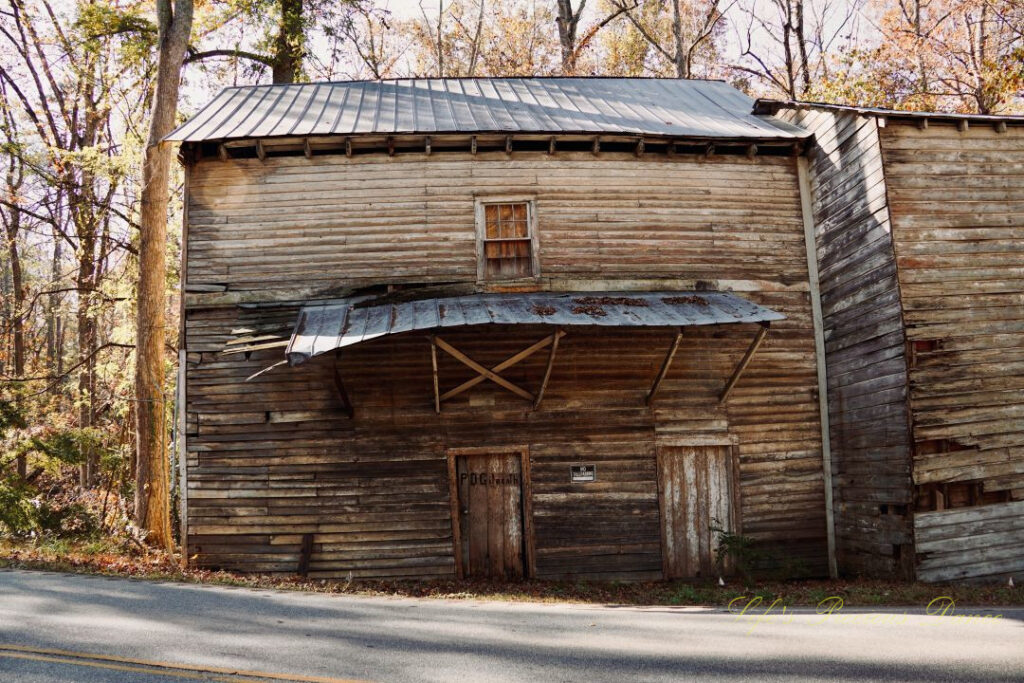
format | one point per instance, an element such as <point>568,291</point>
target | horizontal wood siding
<point>864,344</point>
<point>957,204</point>
<point>958,220</point>
<point>274,458</point>
<point>977,542</point>
<point>268,226</point>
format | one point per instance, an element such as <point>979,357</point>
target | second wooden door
<point>696,488</point>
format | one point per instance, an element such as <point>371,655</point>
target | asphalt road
<point>59,627</point>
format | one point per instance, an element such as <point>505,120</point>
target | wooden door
<point>696,488</point>
<point>488,490</point>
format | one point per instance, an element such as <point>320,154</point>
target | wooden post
<point>472,145</point>
<point>182,456</point>
<point>453,502</point>
<point>260,151</point>
<point>306,149</point>
<point>526,490</point>
<point>665,365</point>
<point>817,318</point>
<point>426,145</point>
<point>596,148</point>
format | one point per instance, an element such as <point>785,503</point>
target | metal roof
<point>770,106</point>
<point>633,106</point>
<point>325,326</point>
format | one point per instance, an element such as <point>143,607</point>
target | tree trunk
<point>86,321</point>
<point>801,46</point>
<point>152,497</point>
<point>290,43</point>
<point>17,314</point>
<point>682,66</point>
<point>568,24</point>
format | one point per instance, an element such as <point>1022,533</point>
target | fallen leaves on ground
<point>158,565</point>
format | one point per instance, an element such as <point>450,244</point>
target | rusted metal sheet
<point>640,106</point>
<point>323,327</point>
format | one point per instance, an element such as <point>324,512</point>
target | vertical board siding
<point>957,205</point>
<point>864,342</point>
<point>696,488</point>
<point>274,458</point>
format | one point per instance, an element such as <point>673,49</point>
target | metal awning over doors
<point>327,326</point>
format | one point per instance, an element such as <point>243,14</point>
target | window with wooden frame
<point>507,238</point>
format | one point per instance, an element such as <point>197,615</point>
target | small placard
<point>579,474</point>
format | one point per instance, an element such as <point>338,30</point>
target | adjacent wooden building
<point>497,327</point>
<point>920,242</point>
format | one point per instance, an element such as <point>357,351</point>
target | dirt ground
<point>93,558</point>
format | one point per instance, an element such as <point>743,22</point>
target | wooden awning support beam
<point>339,389</point>
<point>433,361</point>
<point>491,373</point>
<point>547,371</point>
<point>665,365</point>
<point>744,362</point>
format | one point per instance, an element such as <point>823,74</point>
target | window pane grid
<point>507,247</point>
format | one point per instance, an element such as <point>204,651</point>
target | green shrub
<point>17,513</point>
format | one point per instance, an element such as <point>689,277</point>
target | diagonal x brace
<point>492,373</point>
<point>485,373</point>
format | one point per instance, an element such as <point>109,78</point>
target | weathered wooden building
<point>920,243</point>
<point>498,327</point>
<point>568,327</point>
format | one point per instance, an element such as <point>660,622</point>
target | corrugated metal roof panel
<point>325,326</point>
<point>634,106</point>
<point>770,106</point>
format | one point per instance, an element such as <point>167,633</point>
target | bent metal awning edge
<point>326,326</point>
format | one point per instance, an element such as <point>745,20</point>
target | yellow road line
<point>123,667</point>
<point>154,667</point>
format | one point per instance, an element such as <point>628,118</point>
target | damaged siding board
<point>864,340</point>
<point>957,202</point>
<point>986,541</point>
